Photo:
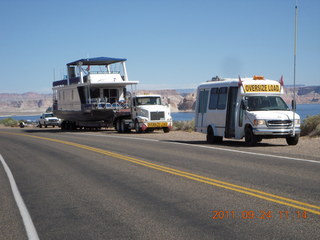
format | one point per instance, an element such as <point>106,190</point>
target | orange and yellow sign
<point>262,88</point>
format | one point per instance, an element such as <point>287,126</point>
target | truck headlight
<point>297,121</point>
<point>257,122</point>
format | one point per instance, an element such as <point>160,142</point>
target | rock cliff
<point>26,103</point>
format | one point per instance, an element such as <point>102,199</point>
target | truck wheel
<point>250,138</point>
<point>293,140</point>
<point>63,125</point>
<point>122,126</point>
<point>45,126</point>
<point>166,130</point>
<point>118,126</point>
<point>40,125</point>
<point>137,127</point>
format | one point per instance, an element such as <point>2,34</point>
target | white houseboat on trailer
<point>93,90</point>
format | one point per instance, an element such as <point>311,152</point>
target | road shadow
<point>58,130</point>
<point>226,143</point>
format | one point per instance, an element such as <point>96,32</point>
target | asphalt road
<point>76,185</point>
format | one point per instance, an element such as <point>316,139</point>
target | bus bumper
<point>276,131</point>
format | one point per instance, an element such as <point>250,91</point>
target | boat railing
<point>104,72</point>
<point>100,104</point>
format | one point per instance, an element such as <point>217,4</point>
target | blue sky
<point>168,43</point>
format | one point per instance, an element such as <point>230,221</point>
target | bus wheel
<point>293,140</point>
<point>250,138</point>
<point>211,138</point>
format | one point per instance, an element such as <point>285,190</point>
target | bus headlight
<point>257,122</point>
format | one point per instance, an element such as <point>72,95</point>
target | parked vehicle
<point>250,108</point>
<point>48,119</point>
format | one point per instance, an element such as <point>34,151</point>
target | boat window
<point>110,95</point>
<point>265,103</point>
<point>94,92</point>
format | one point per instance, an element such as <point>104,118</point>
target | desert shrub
<point>311,126</point>
<point>9,122</point>
<point>187,126</point>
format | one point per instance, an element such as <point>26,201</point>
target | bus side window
<point>213,98</point>
<point>222,101</point>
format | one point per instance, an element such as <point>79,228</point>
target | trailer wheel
<point>293,140</point>
<point>63,125</point>
<point>250,138</point>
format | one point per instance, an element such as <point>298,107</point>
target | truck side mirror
<point>294,104</point>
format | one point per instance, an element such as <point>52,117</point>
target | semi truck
<point>94,95</point>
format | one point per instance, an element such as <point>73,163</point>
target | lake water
<point>303,110</point>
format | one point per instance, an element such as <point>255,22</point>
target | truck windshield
<point>265,103</point>
<point>148,101</point>
<point>48,115</point>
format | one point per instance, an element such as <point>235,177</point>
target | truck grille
<point>279,123</point>
<point>157,115</point>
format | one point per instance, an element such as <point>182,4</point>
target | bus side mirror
<point>244,104</point>
<point>294,104</point>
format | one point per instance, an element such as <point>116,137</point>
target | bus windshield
<point>265,103</point>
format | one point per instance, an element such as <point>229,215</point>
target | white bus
<point>250,108</point>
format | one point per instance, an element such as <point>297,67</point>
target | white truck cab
<point>149,113</point>
<point>250,108</point>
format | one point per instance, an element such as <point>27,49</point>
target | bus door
<point>231,112</point>
<point>202,107</point>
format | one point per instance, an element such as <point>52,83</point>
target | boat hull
<point>106,115</point>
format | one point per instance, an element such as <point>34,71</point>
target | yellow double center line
<point>248,191</point>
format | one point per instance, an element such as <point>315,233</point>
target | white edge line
<point>210,147</point>
<point>253,153</point>
<point>27,221</point>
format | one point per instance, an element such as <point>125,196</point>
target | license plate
<point>158,124</point>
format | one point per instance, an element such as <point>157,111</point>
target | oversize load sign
<point>262,88</point>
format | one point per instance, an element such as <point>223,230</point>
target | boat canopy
<point>96,61</point>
